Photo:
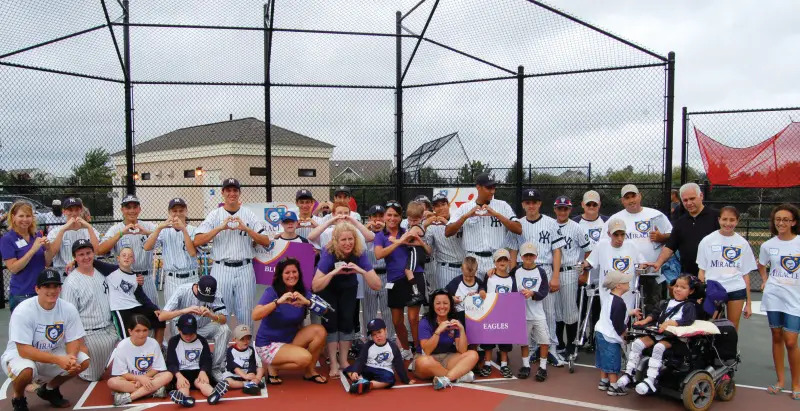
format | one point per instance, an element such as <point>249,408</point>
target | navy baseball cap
<point>71,202</point>
<point>231,182</point>
<point>375,324</point>
<point>342,189</point>
<point>440,197</point>
<point>48,276</point>
<point>422,198</point>
<point>176,202</point>
<point>187,324</point>
<point>376,209</point>
<point>485,180</point>
<point>562,201</point>
<point>206,289</point>
<point>82,243</point>
<point>531,194</point>
<point>303,193</point>
<point>289,216</point>
<point>130,198</point>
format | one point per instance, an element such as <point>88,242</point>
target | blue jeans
<point>787,322</point>
<point>14,300</point>
<point>608,355</point>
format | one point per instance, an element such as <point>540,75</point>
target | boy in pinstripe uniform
<point>86,289</point>
<point>175,238</point>
<point>448,252</point>
<point>375,301</point>
<point>76,228</point>
<point>306,221</point>
<point>132,233</point>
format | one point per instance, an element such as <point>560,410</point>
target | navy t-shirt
<point>11,246</point>
<point>282,324</point>
<point>327,262</point>
<point>447,339</point>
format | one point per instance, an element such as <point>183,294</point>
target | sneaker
<point>219,391</point>
<point>361,386</point>
<point>625,380</point>
<point>645,388</point>
<point>616,391</point>
<point>178,398</point>
<point>485,371</point>
<point>560,349</point>
<point>556,360</point>
<point>506,371</point>
<point>53,396</point>
<point>468,377</point>
<point>603,385</point>
<point>19,404</point>
<point>541,374</point>
<point>251,388</point>
<point>416,299</point>
<point>524,372</point>
<point>441,382</point>
<point>407,355</point>
<point>160,393</point>
<point>121,398</point>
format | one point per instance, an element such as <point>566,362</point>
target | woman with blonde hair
<point>24,252</point>
<point>341,261</point>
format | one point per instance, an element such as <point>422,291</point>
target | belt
<point>96,329</point>
<point>451,265</point>
<point>141,272</point>
<point>569,267</point>
<point>377,271</point>
<point>481,253</point>
<point>234,263</point>
<point>182,275</point>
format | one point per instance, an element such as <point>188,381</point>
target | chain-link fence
<point>168,98</point>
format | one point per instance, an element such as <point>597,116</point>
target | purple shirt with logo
<point>327,262</point>
<point>447,339</point>
<point>23,282</point>
<point>397,260</point>
<point>282,324</point>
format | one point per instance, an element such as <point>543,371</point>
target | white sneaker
<point>407,355</point>
<point>468,377</point>
<point>121,398</point>
<point>160,393</point>
<point>441,382</point>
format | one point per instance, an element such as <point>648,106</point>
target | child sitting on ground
<point>241,370</point>
<point>377,362</point>
<point>500,282</point>
<point>189,360</point>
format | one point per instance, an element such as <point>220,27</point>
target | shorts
<point>608,355</point>
<point>737,295</point>
<point>13,365</point>
<point>538,333</point>
<point>379,375</point>
<point>788,322</point>
<point>400,293</point>
<point>461,316</point>
<point>500,347</point>
<point>191,375</point>
<point>122,319</point>
<point>440,358</point>
<point>268,352</point>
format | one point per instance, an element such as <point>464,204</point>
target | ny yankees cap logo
<point>531,193</point>
<point>208,290</point>
<point>230,181</point>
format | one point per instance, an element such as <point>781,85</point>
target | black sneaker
<point>53,396</point>
<point>556,360</point>
<point>416,299</point>
<point>603,385</point>
<point>616,391</point>
<point>219,391</point>
<point>20,404</point>
<point>251,388</point>
<point>506,371</point>
<point>485,371</point>
<point>541,375</point>
<point>524,372</point>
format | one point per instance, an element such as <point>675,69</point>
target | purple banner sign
<point>264,264</point>
<point>499,319</point>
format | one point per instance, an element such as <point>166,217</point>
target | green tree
<point>95,170</point>
<point>428,175</point>
<point>468,171</point>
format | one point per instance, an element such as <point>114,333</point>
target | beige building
<point>193,161</point>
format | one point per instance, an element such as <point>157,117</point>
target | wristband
<point>275,301</point>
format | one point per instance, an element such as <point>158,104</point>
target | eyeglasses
<point>784,220</point>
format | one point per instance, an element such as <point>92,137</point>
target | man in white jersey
<point>44,341</point>
<point>234,229</point>
<point>647,229</point>
<point>448,252</point>
<point>76,228</point>
<point>201,300</point>
<point>131,232</point>
<point>485,221</point>
<point>87,290</point>
<point>179,256</point>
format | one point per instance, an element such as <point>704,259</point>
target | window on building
<point>145,176</point>
<point>258,171</point>
<point>188,173</point>
<point>307,172</point>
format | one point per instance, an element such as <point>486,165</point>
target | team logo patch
<point>528,283</point>
<point>382,357</point>
<point>143,363</point>
<point>477,301</point>
<point>621,264</point>
<point>273,215</point>
<point>594,234</point>
<point>500,289</point>
<point>643,226</point>
<point>192,355</point>
<point>125,286</point>
<point>54,332</point>
<point>790,263</point>
<point>731,254</point>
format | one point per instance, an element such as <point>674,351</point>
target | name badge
<point>716,248</point>
<point>389,286</point>
<point>773,251</point>
<point>21,243</point>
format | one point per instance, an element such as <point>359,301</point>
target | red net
<point>774,162</point>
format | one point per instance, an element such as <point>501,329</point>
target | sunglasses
<point>393,204</point>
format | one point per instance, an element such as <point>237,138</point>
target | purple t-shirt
<point>447,339</point>
<point>282,324</point>
<point>23,282</point>
<point>397,260</point>
<point>327,262</point>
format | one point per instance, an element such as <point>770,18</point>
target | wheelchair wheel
<point>726,390</point>
<point>698,393</point>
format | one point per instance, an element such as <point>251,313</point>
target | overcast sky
<point>730,54</point>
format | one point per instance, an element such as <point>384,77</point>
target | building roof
<point>365,169</point>
<point>246,131</point>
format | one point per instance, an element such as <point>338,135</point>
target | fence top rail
<point>752,110</point>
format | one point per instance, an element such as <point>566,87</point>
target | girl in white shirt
<point>726,257</point>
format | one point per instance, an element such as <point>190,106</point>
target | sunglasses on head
<point>393,204</point>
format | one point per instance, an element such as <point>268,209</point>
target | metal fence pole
<point>669,130</point>
<point>520,113</point>
<point>269,10</point>
<point>126,41</point>
<point>398,106</point>
<point>684,147</point>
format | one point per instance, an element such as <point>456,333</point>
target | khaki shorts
<point>441,358</point>
<point>538,334</point>
<point>13,365</point>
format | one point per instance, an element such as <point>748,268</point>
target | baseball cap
<point>485,180</point>
<point>615,224</point>
<point>422,198</point>
<point>48,276</point>
<point>231,182</point>
<point>241,331</point>
<point>531,194</point>
<point>206,289</point>
<point>56,202</point>
<point>376,209</point>
<point>72,202</point>
<point>590,196</point>
<point>187,324</point>
<point>562,201</point>
<point>375,324</point>
<point>303,193</point>
<point>82,243</point>
<point>615,277</point>
<point>628,188</point>
<point>502,252</point>
<point>528,248</point>
<point>439,197</point>
<point>130,198</point>
<point>176,202</point>
<point>289,216</point>
<point>342,189</point>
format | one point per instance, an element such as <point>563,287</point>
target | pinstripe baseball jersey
<point>482,233</point>
<point>445,249</point>
<point>173,250</point>
<point>329,216</point>
<point>89,294</point>
<point>304,228</point>
<point>143,260</point>
<point>231,245</point>
<point>184,297</point>
<point>543,232</point>
<point>50,220</point>
<point>65,252</point>
<point>576,243</point>
<point>376,264</point>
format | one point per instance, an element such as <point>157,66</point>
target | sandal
<point>316,379</point>
<point>795,395</point>
<point>774,389</point>
<point>274,380</point>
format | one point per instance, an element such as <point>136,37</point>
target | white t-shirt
<point>782,292</point>
<point>532,280</point>
<point>606,258</point>
<point>137,360</point>
<point>726,260</point>
<point>121,289</point>
<point>594,230</point>
<point>45,330</point>
<point>500,285</point>
<point>639,226</point>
